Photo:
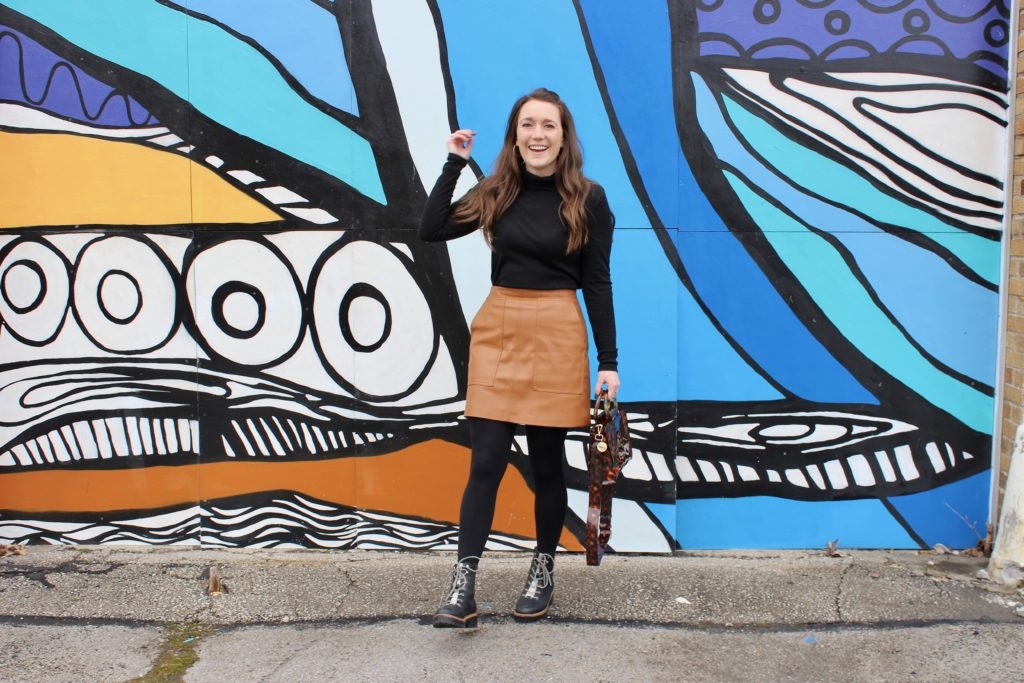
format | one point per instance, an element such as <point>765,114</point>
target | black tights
<point>491,442</point>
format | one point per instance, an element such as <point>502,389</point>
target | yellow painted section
<point>56,179</point>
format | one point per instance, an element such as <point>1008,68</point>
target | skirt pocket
<point>560,363</point>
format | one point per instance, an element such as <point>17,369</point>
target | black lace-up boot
<point>540,584</point>
<point>458,609</point>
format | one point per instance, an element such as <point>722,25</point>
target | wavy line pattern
<point>32,74</point>
<point>271,520</point>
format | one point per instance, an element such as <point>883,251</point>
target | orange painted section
<point>423,481</point>
<point>61,179</point>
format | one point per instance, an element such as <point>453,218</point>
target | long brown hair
<point>493,195</point>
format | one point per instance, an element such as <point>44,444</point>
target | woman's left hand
<point>608,378</point>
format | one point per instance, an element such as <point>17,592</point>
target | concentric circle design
<point>371,323</point>
<point>916,22</point>
<point>997,33</point>
<point>837,22</point>
<point>246,302</point>
<point>124,294</point>
<point>34,290</point>
<point>767,11</point>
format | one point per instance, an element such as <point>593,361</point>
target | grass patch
<point>177,653</point>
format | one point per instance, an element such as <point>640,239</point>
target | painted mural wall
<point>217,325</point>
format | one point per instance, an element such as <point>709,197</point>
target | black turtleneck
<point>530,240</point>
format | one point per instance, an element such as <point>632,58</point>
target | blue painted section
<point>963,336</point>
<point>917,286</point>
<point>645,317</point>
<point>645,106</point>
<point>300,34</point>
<point>827,178</point>
<point>645,110</point>
<point>766,522</point>
<point>664,513</point>
<point>747,305</point>
<point>709,368</point>
<point>485,56</point>
<point>955,514</point>
<point>244,93</point>
<point>828,281</point>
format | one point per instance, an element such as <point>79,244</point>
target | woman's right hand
<point>461,142</point>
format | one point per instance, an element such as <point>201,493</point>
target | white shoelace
<point>540,576</point>
<point>459,579</point>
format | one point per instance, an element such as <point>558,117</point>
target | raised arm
<point>436,224</point>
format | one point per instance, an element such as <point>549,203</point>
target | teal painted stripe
<point>223,78</point>
<point>828,280</point>
<point>832,180</point>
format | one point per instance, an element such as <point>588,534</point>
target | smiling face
<point>539,136</point>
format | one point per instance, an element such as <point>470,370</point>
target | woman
<point>550,233</point>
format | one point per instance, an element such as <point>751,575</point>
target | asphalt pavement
<point>120,613</point>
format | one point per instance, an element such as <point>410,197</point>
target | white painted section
<point>636,468</point>
<point>409,41</point>
<point>737,432</point>
<point>708,471</point>
<point>815,473</point>
<point>685,469</point>
<point>168,140</point>
<point>747,473</point>
<point>632,528</point>
<point>247,177</point>
<point>281,195</point>
<point>660,467</point>
<point>838,122</point>
<point>1007,562</point>
<point>576,455</point>
<point>935,455</point>
<point>887,469</point>
<point>786,431</point>
<point>20,116</point>
<point>797,478</point>
<point>905,460</point>
<point>862,474</point>
<point>836,475</point>
<point>315,216</point>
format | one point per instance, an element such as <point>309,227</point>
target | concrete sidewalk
<point>104,614</point>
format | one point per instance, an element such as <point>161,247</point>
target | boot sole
<point>520,616</point>
<point>450,621</point>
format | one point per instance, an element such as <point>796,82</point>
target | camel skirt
<point>528,359</point>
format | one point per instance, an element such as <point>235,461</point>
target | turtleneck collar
<point>536,182</point>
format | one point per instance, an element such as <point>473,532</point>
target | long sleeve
<point>596,280</point>
<point>436,224</point>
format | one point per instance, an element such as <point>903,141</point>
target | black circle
<point>103,309</point>
<point>997,33</point>
<point>34,267</point>
<point>767,11</point>
<point>217,308</point>
<point>709,5</point>
<point>356,291</point>
<point>837,22</point>
<point>916,22</point>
